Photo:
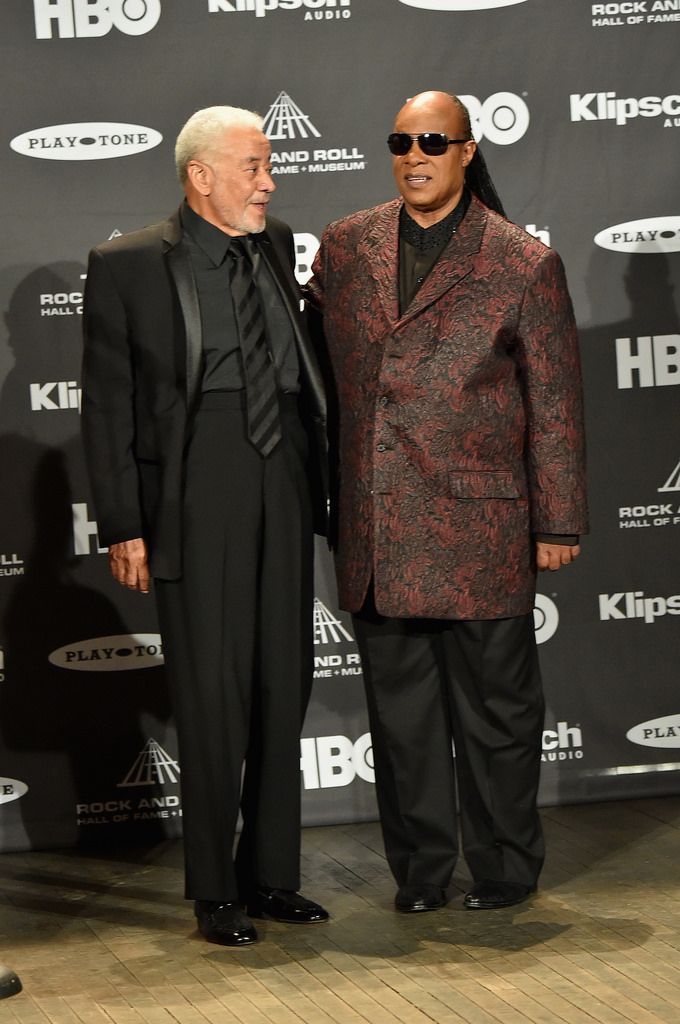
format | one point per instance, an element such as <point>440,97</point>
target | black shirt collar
<point>436,236</point>
<point>214,243</point>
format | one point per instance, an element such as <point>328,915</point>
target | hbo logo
<point>87,18</point>
<point>503,118</point>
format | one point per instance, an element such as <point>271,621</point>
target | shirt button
<point>420,280</point>
<point>381,448</point>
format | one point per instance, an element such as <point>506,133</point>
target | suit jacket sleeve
<point>108,420</point>
<point>549,357</point>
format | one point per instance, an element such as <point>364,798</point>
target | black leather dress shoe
<point>411,899</point>
<point>9,982</point>
<point>224,923</point>
<point>491,895</point>
<point>285,905</point>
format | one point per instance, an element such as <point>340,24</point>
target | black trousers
<point>431,683</point>
<point>237,637</point>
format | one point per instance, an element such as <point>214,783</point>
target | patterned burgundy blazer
<point>460,421</point>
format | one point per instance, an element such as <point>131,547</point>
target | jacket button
<point>384,400</point>
<point>381,448</point>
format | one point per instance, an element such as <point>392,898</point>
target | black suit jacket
<point>142,370</point>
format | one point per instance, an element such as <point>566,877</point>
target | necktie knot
<point>243,247</point>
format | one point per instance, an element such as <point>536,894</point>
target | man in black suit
<point>204,429</point>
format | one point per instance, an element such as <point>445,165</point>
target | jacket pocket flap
<point>482,484</point>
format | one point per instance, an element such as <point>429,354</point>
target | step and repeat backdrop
<point>577,108</point>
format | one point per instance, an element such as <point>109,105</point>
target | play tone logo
<point>12,789</point>
<point>648,235</point>
<point>658,732</point>
<point>110,653</point>
<point>94,140</point>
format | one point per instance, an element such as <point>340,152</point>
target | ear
<point>200,177</point>
<point>469,150</point>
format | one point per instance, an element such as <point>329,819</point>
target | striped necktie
<point>264,424</point>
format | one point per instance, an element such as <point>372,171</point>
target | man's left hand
<point>552,556</point>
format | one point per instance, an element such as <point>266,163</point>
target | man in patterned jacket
<point>453,348</point>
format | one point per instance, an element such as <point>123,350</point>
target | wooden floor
<point>108,938</point>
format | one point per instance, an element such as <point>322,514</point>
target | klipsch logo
<point>563,743</point>
<point>11,789</point>
<point>56,394</point>
<point>91,18</point>
<point>110,653</point>
<point>286,122</point>
<point>460,5</point>
<point>322,10</point>
<point>634,605</point>
<point>607,106</point>
<point>658,732</point>
<point>503,118</point>
<point>93,140</point>
<point>652,234</point>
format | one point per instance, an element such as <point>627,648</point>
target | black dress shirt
<point>420,248</point>
<point>208,249</point>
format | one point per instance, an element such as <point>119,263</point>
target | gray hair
<point>201,133</point>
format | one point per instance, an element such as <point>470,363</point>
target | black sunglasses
<point>431,143</point>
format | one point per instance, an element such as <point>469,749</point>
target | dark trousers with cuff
<point>431,683</point>
<point>237,637</point>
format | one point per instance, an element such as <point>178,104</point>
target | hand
<point>552,556</point>
<point>129,564</point>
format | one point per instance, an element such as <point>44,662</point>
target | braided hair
<point>477,177</point>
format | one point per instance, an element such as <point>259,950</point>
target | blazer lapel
<point>180,269</point>
<point>378,251</point>
<point>455,262</point>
